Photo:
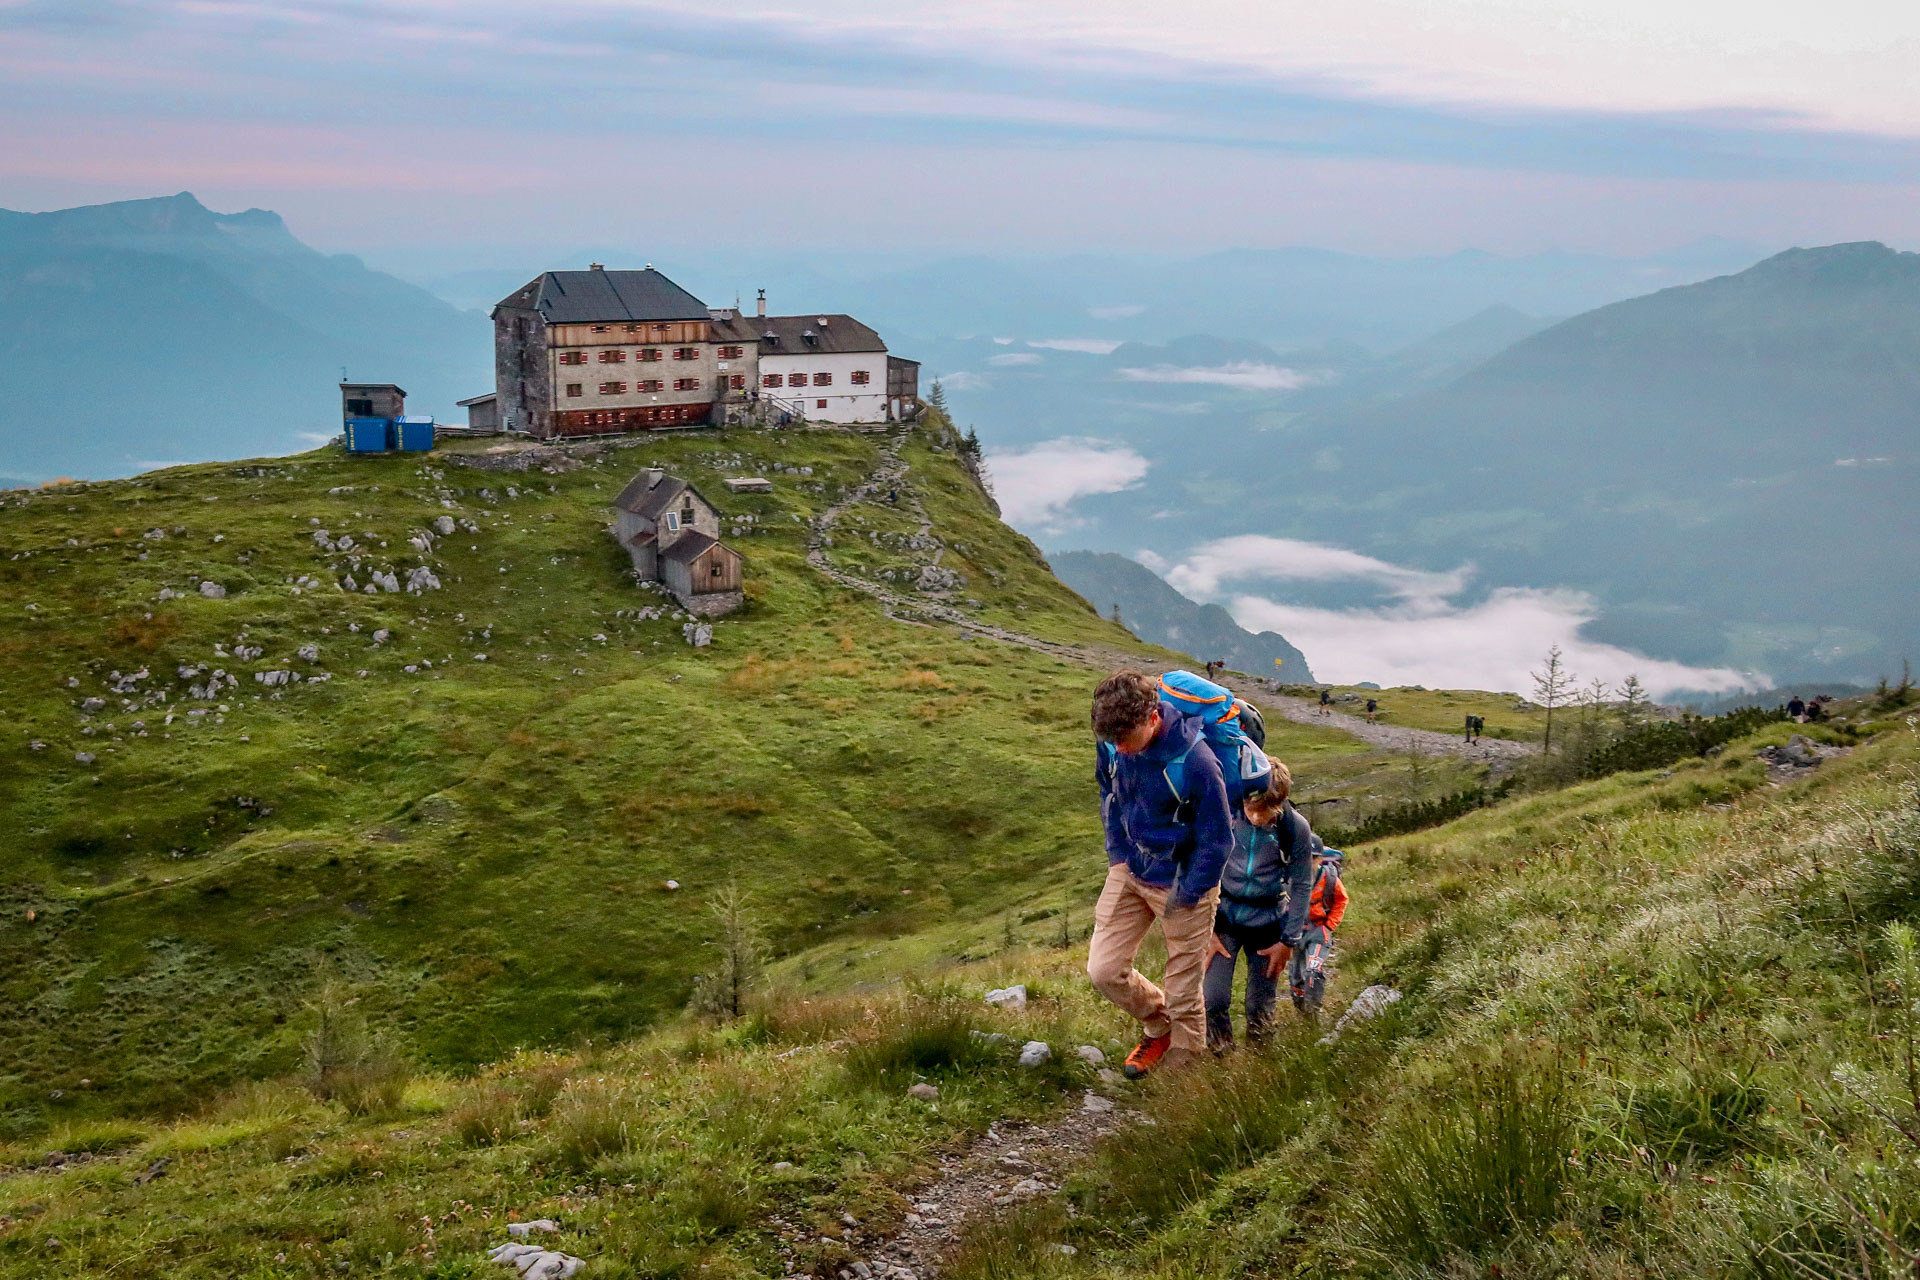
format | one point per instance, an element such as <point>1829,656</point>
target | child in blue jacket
<point>1264,892</point>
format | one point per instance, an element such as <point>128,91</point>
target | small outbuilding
<point>672,534</point>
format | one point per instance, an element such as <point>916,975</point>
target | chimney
<point>762,303</point>
<point>596,266</point>
<point>653,476</point>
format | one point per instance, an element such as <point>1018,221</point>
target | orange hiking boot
<point>1146,1056</point>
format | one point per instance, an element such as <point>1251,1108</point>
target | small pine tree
<point>1634,703</point>
<point>1115,615</point>
<point>1551,687</point>
<point>724,989</point>
<point>937,397</point>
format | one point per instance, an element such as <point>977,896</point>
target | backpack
<point>1233,728</point>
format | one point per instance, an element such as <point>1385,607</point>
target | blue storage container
<point>416,433</point>
<point>370,435</point>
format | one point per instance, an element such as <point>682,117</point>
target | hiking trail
<point>1013,1162</point>
<point>891,474</point>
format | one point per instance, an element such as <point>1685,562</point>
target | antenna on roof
<point>649,266</point>
<point>595,266</point>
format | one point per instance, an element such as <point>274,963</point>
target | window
<point>650,384</point>
<point>819,404</point>
<point>611,356</point>
<point>822,379</point>
<point>650,353</point>
<point>860,377</point>
<point>738,382</point>
<point>601,328</point>
<point>573,389</point>
<point>686,384</point>
<point>772,380</point>
<point>672,522</point>
<point>359,408</point>
<point>796,379</point>
<point>686,353</point>
<point>573,357</point>
<point>519,326</point>
<point>715,571</point>
<point>732,353</point>
<point>632,328</point>
<point>613,388</point>
<point>662,328</point>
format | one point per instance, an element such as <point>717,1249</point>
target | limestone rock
<point>924,1091</point>
<point>1035,1053</point>
<point>1013,997</point>
<point>213,591</point>
<point>698,634</point>
<point>444,525</point>
<point>1093,1103</point>
<point>521,1230</point>
<point>1369,1004</point>
<point>1091,1056</point>
<point>83,757</point>
<point>310,652</point>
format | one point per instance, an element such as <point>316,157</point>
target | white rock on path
<point>535,1263</point>
<point>1091,1056</point>
<point>1369,1004</point>
<point>1014,997</point>
<point>521,1230</point>
<point>444,526</point>
<point>1093,1103</point>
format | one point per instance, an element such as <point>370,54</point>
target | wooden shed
<point>696,565</point>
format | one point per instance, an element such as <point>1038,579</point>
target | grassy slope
<point>481,847</point>
<point>1634,996</point>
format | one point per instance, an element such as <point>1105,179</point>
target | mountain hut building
<point>672,534</point>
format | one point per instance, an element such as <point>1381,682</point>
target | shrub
<point>490,1116</point>
<point>1466,1171</point>
<point>930,1033</point>
<point>591,1119</point>
<point>347,1061</point>
<point>1211,1121</point>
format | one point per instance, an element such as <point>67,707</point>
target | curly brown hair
<point>1124,701</point>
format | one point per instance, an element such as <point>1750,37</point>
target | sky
<point>1377,126</point>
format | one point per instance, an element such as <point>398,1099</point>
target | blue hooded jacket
<point>1171,841</point>
<point>1268,878</point>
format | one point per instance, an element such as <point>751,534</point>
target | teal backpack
<point>1232,727</point>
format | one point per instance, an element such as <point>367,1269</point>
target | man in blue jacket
<point>1163,803</point>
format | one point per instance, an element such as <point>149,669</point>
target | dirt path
<point>1013,1162</point>
<point>891,474</point>
<point>1388,737</point>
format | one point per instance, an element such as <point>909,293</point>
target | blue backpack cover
<point>1224,721</point>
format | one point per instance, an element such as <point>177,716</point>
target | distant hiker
<point>1307,975</point>
<point>1326,702</point>
<point>1469,731</point>
<point>1476,725</point>
<point>1163,804</point>
<point>1797,709</point>
<point>1263,908</point>
<point>893,496</point>
<point>1373,707</point>
<point>1816,709</point>
<point>1213,669</point>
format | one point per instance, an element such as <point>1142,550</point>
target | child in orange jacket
<point>1328,902</point>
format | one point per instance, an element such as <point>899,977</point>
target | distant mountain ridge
<point>1158,614</point>
<point>224,333</point>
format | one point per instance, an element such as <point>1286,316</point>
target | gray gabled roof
<point>692,546</point>
<point>660,497</point>
<point>629,497</point>
<point>602,297</point>
<point>831,334</point>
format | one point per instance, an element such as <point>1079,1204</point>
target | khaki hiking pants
<point>1127,908</point>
